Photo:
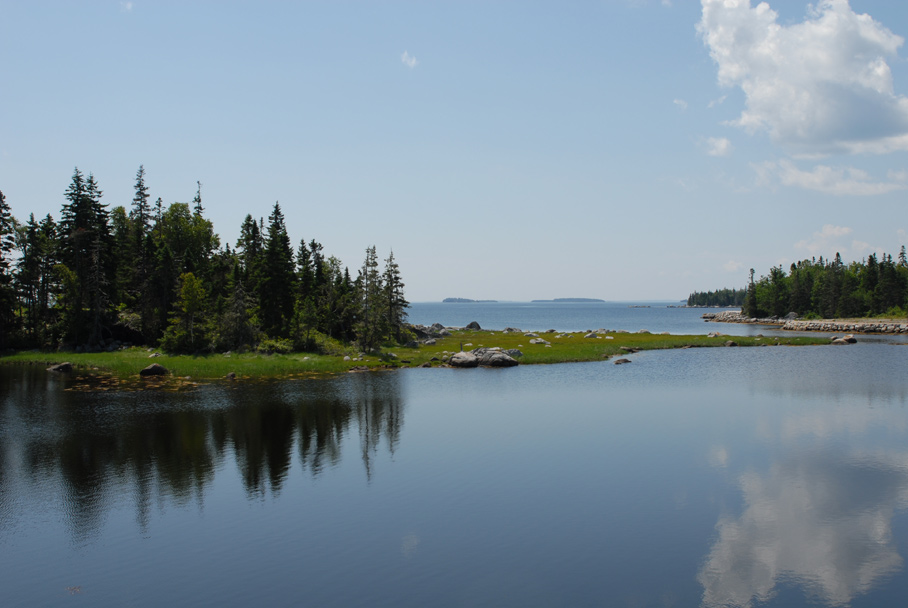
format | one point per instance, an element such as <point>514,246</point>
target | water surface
<point>707,477</point>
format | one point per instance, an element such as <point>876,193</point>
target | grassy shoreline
<point>563,348</point>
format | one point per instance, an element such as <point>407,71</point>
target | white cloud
<point>732,266</point>
<point>825,240</point>
<point>680,103</point>
<point>817,87</point>
<point>718,146</point>
<point>126,6</point>
<point>717,102</point>
<point>841,181</point>
<point>408,60</point>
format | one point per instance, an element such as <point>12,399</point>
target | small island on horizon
<point>464,301</point>
<point>469,301</point>
<point>571,300</point>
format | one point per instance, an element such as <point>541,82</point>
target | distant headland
<point>571,300</point>
<point>464,300</point>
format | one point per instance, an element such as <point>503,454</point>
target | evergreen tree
<point>750,299</point>
<point>250,250</point>
<point>7,296</point>
<point>395,303</point>
<point>85,250</point>
<point>186,332</point>
<point>235,329</point>
<point>278,280</point>
<point>372,320</point>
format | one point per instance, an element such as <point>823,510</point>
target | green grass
<point>569,347</point>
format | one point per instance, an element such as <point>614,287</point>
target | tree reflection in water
<point>156,446</point>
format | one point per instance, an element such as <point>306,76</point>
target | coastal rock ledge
<point>823,325</point>
<point>486,357</point>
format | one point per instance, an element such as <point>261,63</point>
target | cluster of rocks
<point>848,339</point>
<point>859,327</point>
<point>427,332</point>
<point>736,316</point>
<point>154,369</point>
<point>790,322</point>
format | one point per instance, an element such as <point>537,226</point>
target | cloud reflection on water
<point>816,519</point>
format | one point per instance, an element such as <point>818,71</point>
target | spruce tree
<point>395,303</point>
<point>7,296</point>
<point>372,320</point>
<point>278,281</point>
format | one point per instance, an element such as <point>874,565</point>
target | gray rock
<point>426,364</point>
<point>489,357</point>
<point>443,332</point>
<point>463,359</point>
<point>531,335</point>
<point>155,369</point>
<point>622,361</point>
<point>430,342</point>
<point>412,344</point>
<point>731,343</point>
<point>513,352</point>
<point>511,330</point>
<point>473,325</point>
<point>539,341</point>
<point>61,368</point>
<point>591,335</point>
<point>231,375</point>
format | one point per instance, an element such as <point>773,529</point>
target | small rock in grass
<point>154,369</point>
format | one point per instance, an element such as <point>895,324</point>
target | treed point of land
<point>822,289</point>
<point>156,275</point>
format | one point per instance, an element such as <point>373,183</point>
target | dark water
<point>708,477</point>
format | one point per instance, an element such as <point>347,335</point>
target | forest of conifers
<point>157,275</point>
<point>822,289</point>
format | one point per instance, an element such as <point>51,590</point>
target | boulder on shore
<point>473,325</point>
<point>61,368</point>
<point>622,361</point>
<point>493,357</point>
<point>463,359</point>
<point>155,369</point>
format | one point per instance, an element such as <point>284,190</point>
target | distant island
<point>571,300</point>
<point>464,300</point>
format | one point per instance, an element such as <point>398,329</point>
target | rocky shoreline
<point>822,325</point>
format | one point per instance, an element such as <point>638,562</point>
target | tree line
<point>818,288</point>
<point>720,297</point>
<point>158,275</point>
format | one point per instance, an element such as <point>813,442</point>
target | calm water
<point>707,477</point>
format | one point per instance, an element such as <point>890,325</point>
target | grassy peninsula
<point>562,348</point>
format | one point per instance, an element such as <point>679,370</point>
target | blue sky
<point>621,149</point>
